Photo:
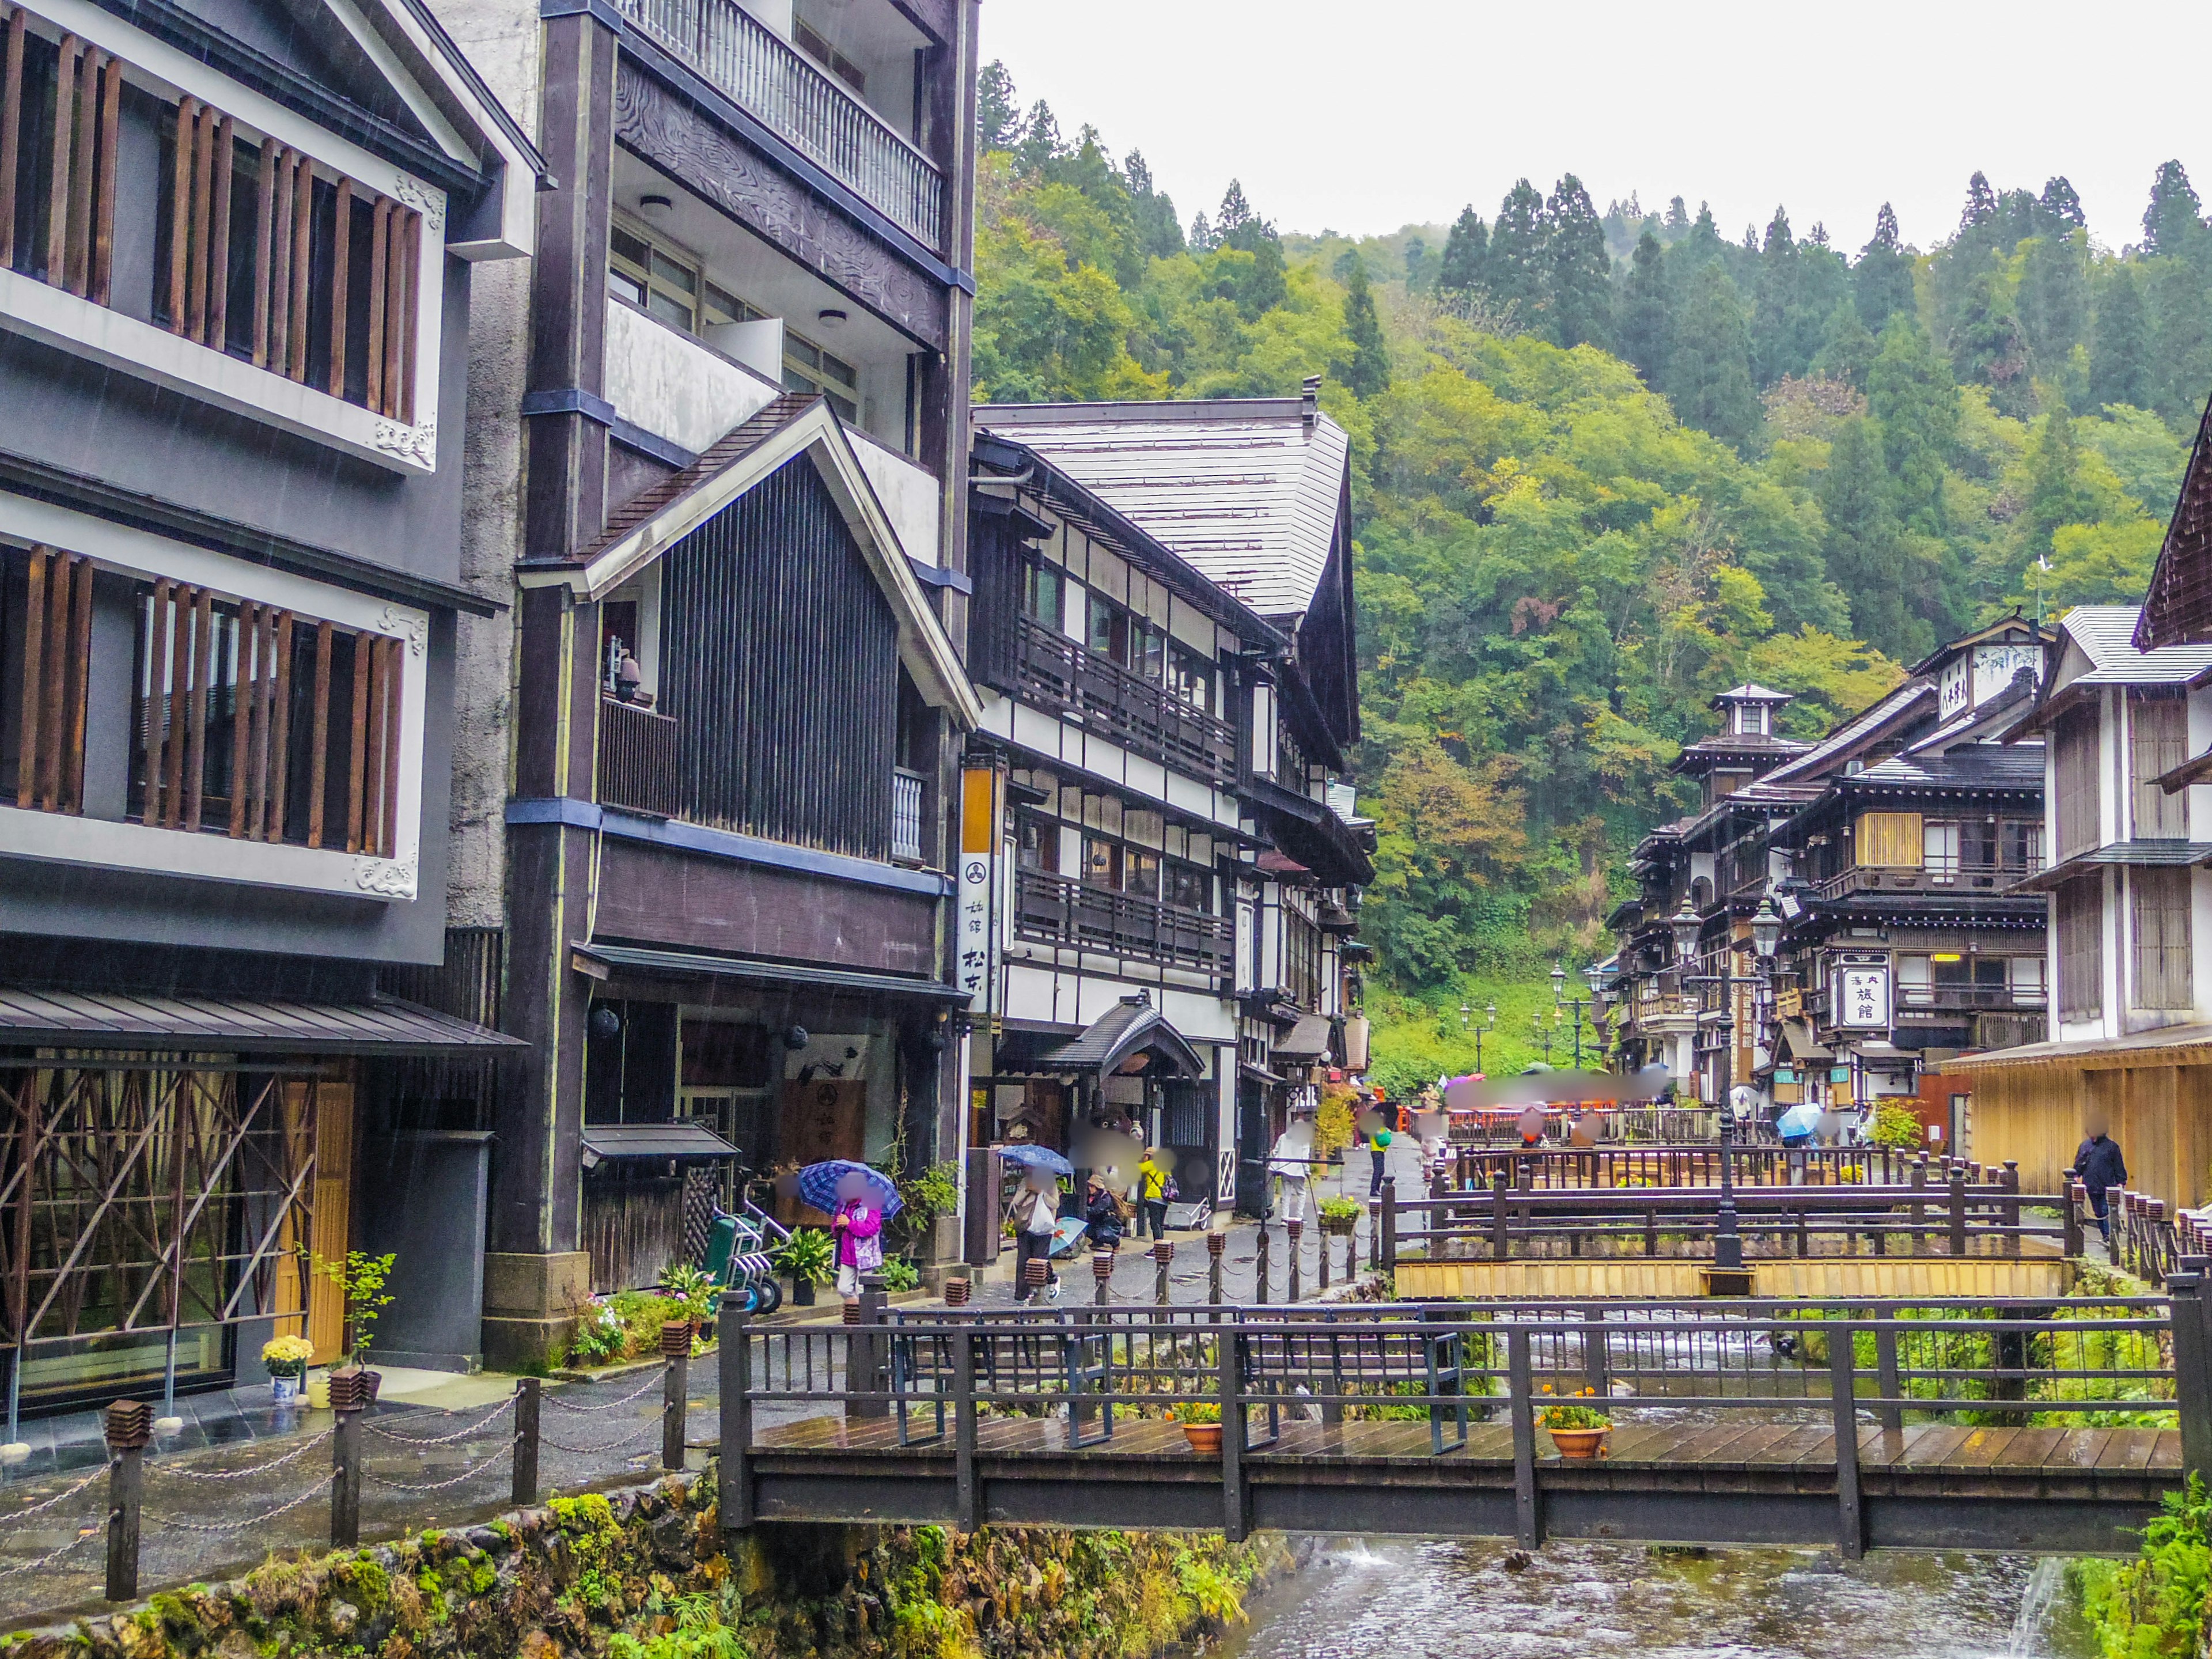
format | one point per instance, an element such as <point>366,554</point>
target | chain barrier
<point>177,1472</point>
<point>179,1523</point>
<point>53,1556</point>
<point>650,1384</point>
<point>650,1426</point>
<point>476,1427</point>
<point>14,1516</point>
<point>505,1451</point>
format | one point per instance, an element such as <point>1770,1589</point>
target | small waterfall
<point>2027,1624</point>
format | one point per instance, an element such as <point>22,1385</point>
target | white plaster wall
<point>671,386</point>
<point>910,496</point>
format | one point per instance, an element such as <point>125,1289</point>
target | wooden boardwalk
<point>1933,1486</point>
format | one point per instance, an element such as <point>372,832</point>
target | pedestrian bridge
<point>2012,1426</point>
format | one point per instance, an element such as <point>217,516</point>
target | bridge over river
<point>2014,1424</point>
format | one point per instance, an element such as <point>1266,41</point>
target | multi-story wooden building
<point>238,245</point>
<point>739,703</point>
<point>1893,847</point>
<point>1163,630</point>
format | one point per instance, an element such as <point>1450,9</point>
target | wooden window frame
<point>2080,926</point>
<point>2160,932</point>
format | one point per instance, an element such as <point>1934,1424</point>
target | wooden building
<point>740,707</point>
<point>238,247</point>
<point>1162,632</point>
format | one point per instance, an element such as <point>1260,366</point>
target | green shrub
<point>2154,1606</point>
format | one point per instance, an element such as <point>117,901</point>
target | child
<point>859,1226</point>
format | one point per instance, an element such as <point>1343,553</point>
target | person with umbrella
<point>1035,1213</point>
<point>1102,1213</point>
<point>857,1200</point>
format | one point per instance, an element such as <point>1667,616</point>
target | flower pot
<point>285,1391</point>
<point>802,1291</point>
<point>319,1390</point>
<point>1204,1438</point>
<point>1339,1226</point>
<point>955,1293</point>
<point>1580,1443</point>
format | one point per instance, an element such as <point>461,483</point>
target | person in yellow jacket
<point>1155,1189</point>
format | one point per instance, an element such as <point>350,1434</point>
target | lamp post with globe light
<point>1687,925</point>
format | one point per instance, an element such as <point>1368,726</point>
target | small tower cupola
<point>1749,711</point>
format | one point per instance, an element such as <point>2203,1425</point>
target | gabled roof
<point>1864,727</point>
<point>2177,609</point>
<point>2107,634</point>
<point>1130,1026</point>
<point>2003,625</point>
<point>1749,692</point>
<point>1969,766</point>
<point>1247,491</point>
<point>781,431</point>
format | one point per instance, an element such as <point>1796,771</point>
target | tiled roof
<point>717,458</point>
<point>1855,730</point>
<point>2177,609</point>
<point>1969,766</point>
<point>2106,634</point>
<point>1246,491</point>
<point>238,1024</point>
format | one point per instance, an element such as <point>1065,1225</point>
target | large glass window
<point>1043,586</point>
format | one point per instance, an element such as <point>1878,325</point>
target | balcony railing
<point>906,814</point>
<point>1937,876</point>
<point>637,759</point>
<point>1968,996</point>
<point>1061,911</point>
<point>772,81</point>
<point>1142,715</point>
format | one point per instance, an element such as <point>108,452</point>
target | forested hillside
<point>1608,463</point>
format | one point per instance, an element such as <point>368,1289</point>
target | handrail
<point>1123,706</point>
<point>774,82</point>
<point>1063,911</point>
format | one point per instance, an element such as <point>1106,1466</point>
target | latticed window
<point>2081,948</point>
<point>2158,741</point>
<point>2159,904</point>
<point>2074,765</point>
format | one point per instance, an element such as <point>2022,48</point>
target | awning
<point>1308,1042</point>
<point>1260,1074</point>
<point>1797,1036</point>
<point>685,965</point>
<point>2168,1045</point>
<point>676,1139</point>
<point>1132,1026</point>
<point>2141,853</point>
<point>383,1026</point>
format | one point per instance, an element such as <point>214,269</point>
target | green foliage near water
<point>2154,1606</point>
<point>1804,466</point>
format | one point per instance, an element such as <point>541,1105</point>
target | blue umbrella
<point>1036,1157</point>
<point>817,1185</point>
<point>1798,1121</point>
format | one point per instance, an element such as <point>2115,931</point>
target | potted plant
<point>1338,1216</point>
<point>1201,1425</point>
<point>900,1274</point>
<point>807,1258</point>
<point>1577,1431</point>
<point>287,1358</point>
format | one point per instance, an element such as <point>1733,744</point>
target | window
<point>668,283</point>
<point>1101,863</point>
<point>2027,979</point>
<point>2074,765</point>
<point>1751,719</point>
<point>2159,900</point>
<point>2081,948</point>
<point>1126,640</point>
<point>1892,840</point>
<point>2158,741</point>
<point>2020,842</point>
<point>1036,843</point>
<point>1140,873</point>
<point>836,62</point>
<point>1189,886</point>
<point>1190,677</point>
<point>1914,982</point>
<point>807,367</point>
<point>1938,849</point>
<point>1043,586</point>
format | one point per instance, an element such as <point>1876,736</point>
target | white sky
<point>1363,115</point>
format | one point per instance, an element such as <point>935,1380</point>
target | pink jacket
<point>863,1221</point>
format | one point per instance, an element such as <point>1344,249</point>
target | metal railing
<point>1061,911</point>
<point>638,759</point>
<point>1143,715</point>
<point>801,104</point>
<point>906,814</point>
<point>1698,1164</point>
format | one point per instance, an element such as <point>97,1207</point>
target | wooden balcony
<point>1952,876</point>
<point>1056,673</point>
<point>638,759</point>
<point>771,80</point>
<point>1061,911</point>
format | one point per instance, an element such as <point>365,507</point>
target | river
<point>1407,1600</point>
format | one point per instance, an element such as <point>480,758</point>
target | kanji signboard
<point>976,955</point>
<point>1862,998</point>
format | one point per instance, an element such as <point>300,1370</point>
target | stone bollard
<point>1163,1259</point>
<point>1102,1272</point>
<point>1292,1231</point>
<point>350,1397</point>
<point>1216,1242</point>
<point>526,1403</point>
<point>1260,1268</point>
<point>675,1391</point>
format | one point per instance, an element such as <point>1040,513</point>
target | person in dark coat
<point>1102,1214</point>
<point>2101,1166</point>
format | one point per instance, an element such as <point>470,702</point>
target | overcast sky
<point>1363,115</point>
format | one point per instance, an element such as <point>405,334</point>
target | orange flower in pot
<point>1201,1425</point>
<point>1577,1429</point>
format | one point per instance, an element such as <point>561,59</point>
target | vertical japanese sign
<point>1862,998</point>
<point>975,947</point>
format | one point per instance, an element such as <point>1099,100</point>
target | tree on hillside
<point>1580,275</point>
<point>1643,325</point>
<point>1912,393</point>
<point>2060,206</point>
<point>1417,265</point>
<point>1846,348</point>
<point>2182,347</point>
<point>1709,364</point>
<point>1159,236</point>
<point>2055,495</point>
<point>1881,281</point>
<point>2173,224</point>
<point>1866,547</point>
<point>1773,338</point>
<point>998,118</point>
<point>1462,269</point>
<point>2054,297</point>
<point>1986,344</point>
<point>1040,140</point>
<point>1516,269</point>
<point>1369,372</point>
<point>2121,370</point>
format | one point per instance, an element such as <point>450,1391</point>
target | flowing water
<point>1409,1600</point>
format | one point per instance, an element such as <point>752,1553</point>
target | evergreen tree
<point>1644,320</point>
<point>2182,347</point>
<point>1200,238</point>
<point>1040,141</point>
<point>2121,370</point>
<point>1911,392</point>
<point>2173,224</point>
<point>1515,270</point>
<point>1773,340</point>
<point>2061,207</point>
<point>1370,371</point>
<point>1865,549</point>
<point>2054,294</point>
<point>1580,312</point>
<point>1986,346</point>
<point>2055,492</point>
<point>1846,348</point>
<point>1881,282</point>
<point>998,118</point>
<point>1159,236</point>
<point>1234,217</point>
<point>1678,219</point>
<point>1237,226</point>
<point>1709,365</point>
<point>1417,265</point>
<point>1461,270</point>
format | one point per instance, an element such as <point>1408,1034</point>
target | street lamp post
<point>1561,1001</point>
<point>1765,940</point>
<point>1467,1027</point>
